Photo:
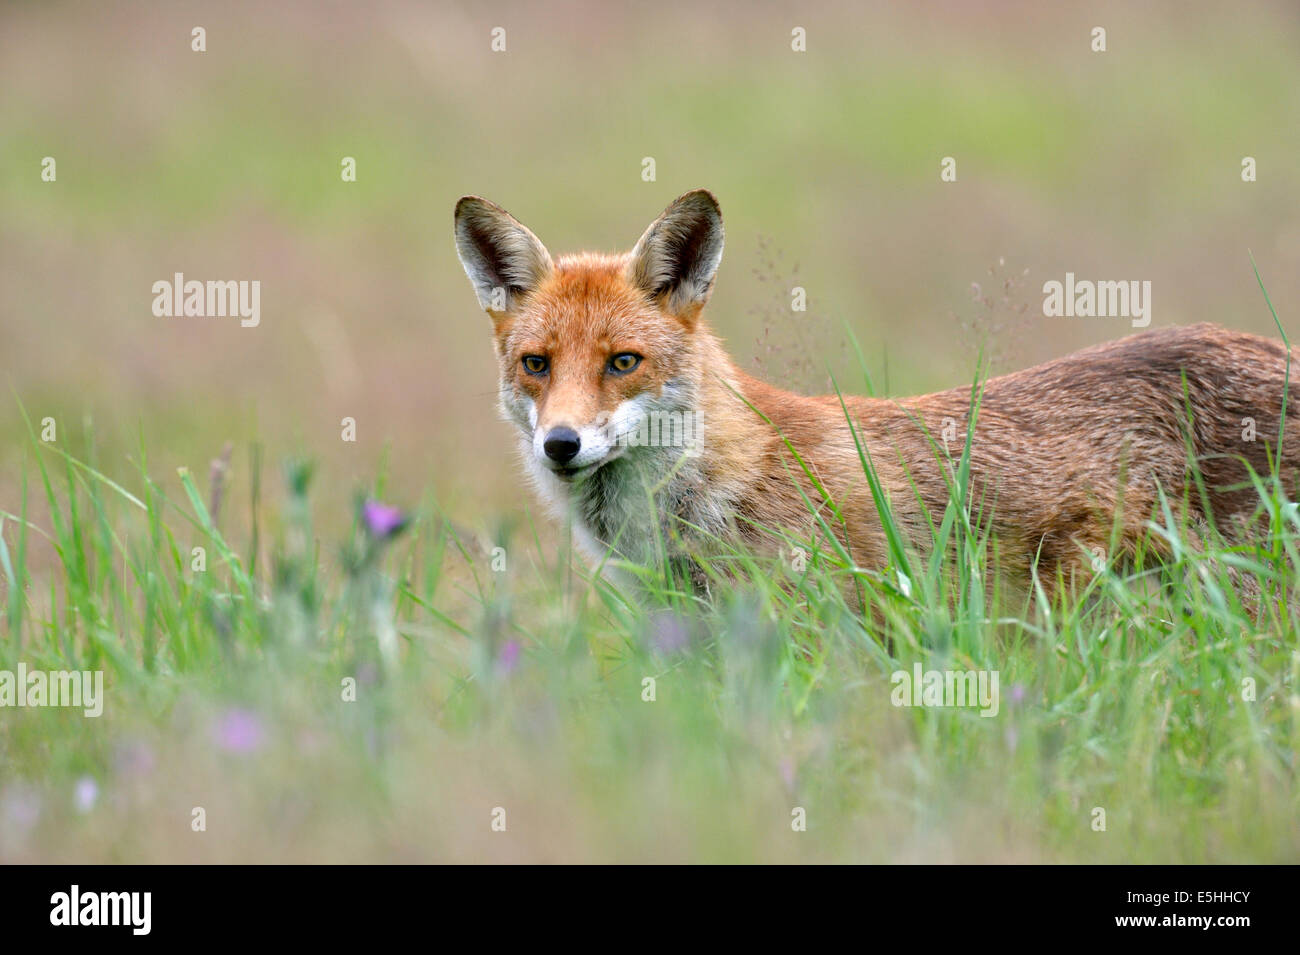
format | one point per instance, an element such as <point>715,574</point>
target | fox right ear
<point>677,258</point>
<point>504,261</point>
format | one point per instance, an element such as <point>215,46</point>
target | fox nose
<point>562,445</point>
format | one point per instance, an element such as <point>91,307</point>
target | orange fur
<point>1061,454</point>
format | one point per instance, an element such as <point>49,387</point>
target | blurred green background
<point>226,165</point>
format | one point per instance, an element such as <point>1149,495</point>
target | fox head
<point>591,347</point>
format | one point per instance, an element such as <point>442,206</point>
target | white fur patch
<point>624,509</point>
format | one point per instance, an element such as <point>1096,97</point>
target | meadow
<point>414,693</point>
<point>330,680</point>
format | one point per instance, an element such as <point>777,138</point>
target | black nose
<point>562,445</point>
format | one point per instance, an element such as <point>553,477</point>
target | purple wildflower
<point>20,807</point>
<point>508,657</point>
<point>668,632</point>
<point>381,520</point>
<point>86,793</point>
<point>787,772</point>
<point>239,731</point>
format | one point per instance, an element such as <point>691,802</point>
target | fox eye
<point>535,364</point>
<point>624,362</point>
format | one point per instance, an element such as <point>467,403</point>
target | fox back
<point>633,421</point>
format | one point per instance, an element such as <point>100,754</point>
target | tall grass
<point>679,722</point>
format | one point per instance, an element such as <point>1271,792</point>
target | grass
<point>389,698</point>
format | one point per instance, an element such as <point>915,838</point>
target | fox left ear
<point>677,258</point>
<point>505,262</point>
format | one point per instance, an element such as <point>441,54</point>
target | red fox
<point>633,420</point>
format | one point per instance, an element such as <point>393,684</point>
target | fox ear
<point>504,261</point>
<point>678,256</point>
